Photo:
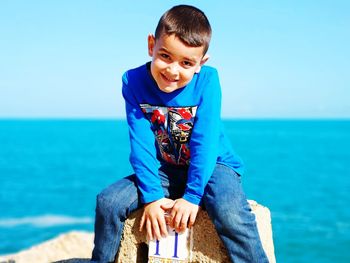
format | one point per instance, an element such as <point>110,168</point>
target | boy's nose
<point>173,69</point>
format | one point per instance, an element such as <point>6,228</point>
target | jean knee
<point>234,213</point>
<point>102,204</point>
<point>227,216</point>
<point>118,200</point>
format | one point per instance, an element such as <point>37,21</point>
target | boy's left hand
<point>183,214</point>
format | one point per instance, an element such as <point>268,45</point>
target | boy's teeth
<point>169,78</point>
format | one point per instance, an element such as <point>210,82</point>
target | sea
<point>52,170</point>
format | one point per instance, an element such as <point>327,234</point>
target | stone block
<point>207,246</point>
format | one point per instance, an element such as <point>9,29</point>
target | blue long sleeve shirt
<point>182,128</point>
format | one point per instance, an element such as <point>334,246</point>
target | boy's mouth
<point>168,79</point>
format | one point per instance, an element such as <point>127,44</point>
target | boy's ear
<point>151,43</point>
<point>203,61</point>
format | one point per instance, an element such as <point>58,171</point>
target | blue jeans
<point>224,200</point>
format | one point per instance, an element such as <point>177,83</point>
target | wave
<point>45,221</point>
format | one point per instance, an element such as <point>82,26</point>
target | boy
<point>180,155</point>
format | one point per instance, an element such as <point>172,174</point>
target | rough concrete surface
<point>207,246</point>
<point>73,244</point>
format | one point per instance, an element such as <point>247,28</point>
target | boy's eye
<point>165,56</point>
<point>187,63</point>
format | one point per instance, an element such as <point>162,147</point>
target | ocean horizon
<point>52,169</point>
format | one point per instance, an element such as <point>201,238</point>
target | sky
<point>276,59</point>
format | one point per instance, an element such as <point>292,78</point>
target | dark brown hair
<point>188,23</point>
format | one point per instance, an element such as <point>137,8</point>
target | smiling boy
<point>174,62</point>
<point>180,155</point>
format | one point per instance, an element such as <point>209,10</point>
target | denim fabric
<point>223,199</point>
<point>113,206</point>
<point>228,209</point>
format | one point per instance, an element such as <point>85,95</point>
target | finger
<point>168,219</point>
<point>162,226</point>
<point>192,219</point>
<point>142,222</point>
<point>172,217</point>
<point>155,227</point>
<point>183,223</point>
<point>168,205</point>
<point>177,221</point>
<point>149,229</point>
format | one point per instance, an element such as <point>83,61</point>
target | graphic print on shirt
<point>172,127</point>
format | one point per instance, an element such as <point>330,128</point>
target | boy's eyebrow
<point>186,58</point>
<point>164,49</point>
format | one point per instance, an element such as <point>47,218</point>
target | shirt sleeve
<point>204,139</point>
<point>143,153</point>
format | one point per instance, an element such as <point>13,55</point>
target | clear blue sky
<point>276,59</point>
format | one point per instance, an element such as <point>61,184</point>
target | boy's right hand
<point>153,219</point>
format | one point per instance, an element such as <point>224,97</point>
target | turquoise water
<point>51,171</point>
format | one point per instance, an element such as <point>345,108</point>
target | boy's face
<point>173,62</point>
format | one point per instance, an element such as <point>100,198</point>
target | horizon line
<point>83,118</point>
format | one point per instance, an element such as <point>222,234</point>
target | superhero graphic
<point>172,127</point>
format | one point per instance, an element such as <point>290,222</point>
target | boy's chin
<point>168,89</point>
